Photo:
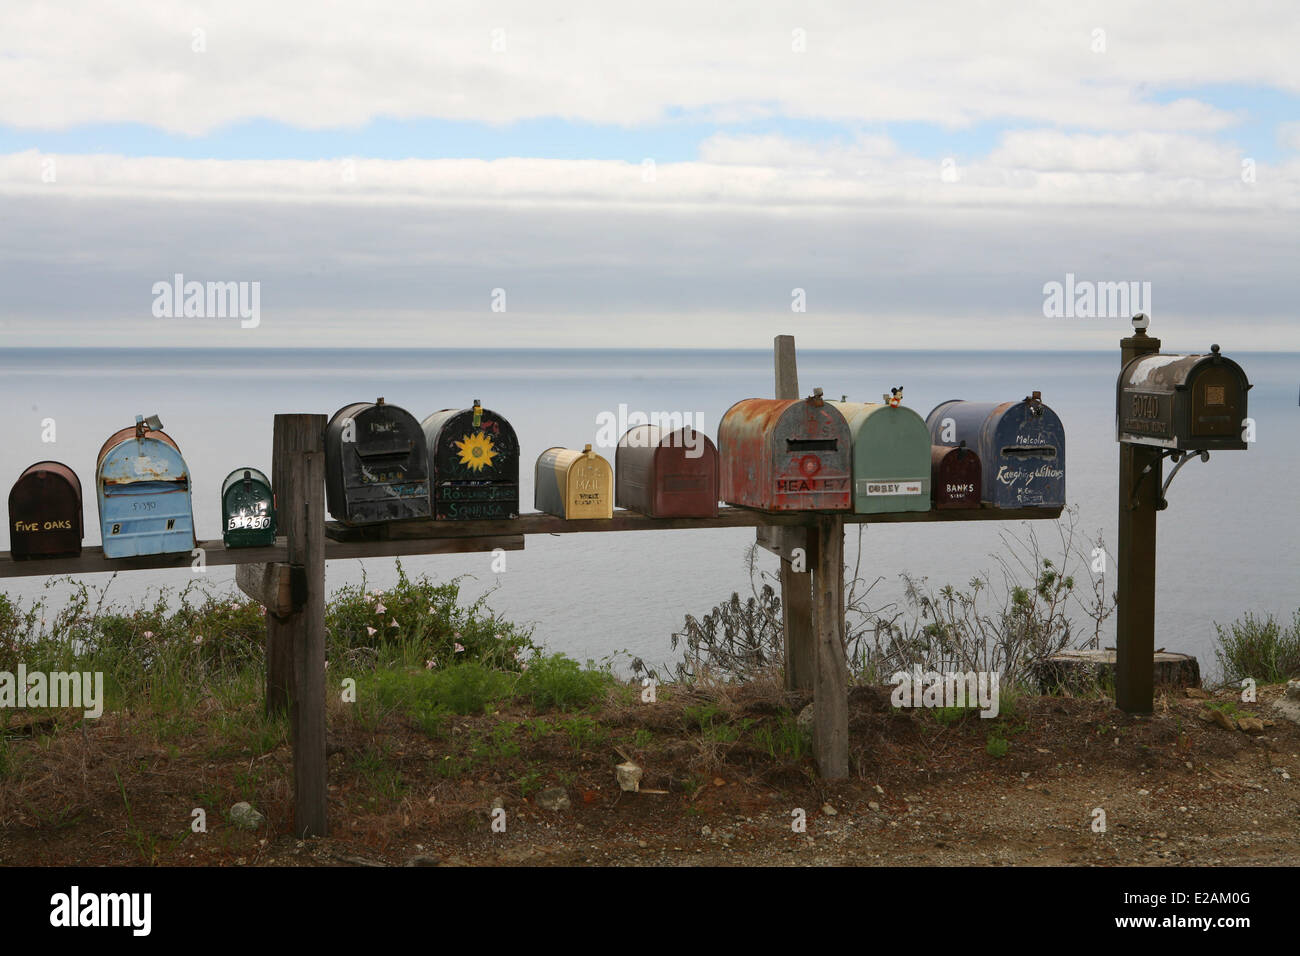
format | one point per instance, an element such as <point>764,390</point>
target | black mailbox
<point>1185,402</point>
<point>376,465</point>
<point>475,459</point>
<point>45,512</point>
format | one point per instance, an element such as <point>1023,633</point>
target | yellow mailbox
<point>574,484</point>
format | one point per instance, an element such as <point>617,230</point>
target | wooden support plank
<point>299,458</point>
<point>830,675</point>
<point>268,584</point>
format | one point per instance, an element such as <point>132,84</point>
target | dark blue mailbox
<point>1021,446</point>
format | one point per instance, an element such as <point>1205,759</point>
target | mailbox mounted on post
<point>786,455</point>
<point>666,474</point>
<point>1182,402</point>
<point>247,509</point>
<point>376,465</point>
<point>891,457</point>
<point>956,476</point>
<point>573,484</point>
<point>45,512</point>
<point>1021,446</point>
<point>143,488</point>
<point>474,455</point>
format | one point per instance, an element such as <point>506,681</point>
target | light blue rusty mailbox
<point>143,488</point>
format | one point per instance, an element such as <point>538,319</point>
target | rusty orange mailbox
<point>666,474</point>
<point>786,455</point>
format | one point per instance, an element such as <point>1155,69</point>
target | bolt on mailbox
<point>1021,446</point>
<point>573,484</point>
<point>247,509</point>
<point>786,455</point>
<point>1183,402</point>
<point>143,488</point>
<point>45,518</point>
<point>474,455</point>
<point>376,465</point>
<point>891,457</point>
<point>956,476</point>
<point>666,474</point>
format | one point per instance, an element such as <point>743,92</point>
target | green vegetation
<point>559,682</point>
<point>1262,649</point>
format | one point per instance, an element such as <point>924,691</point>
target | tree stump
<point>1080,672</point>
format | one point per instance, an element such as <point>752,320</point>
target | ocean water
<point>1227,543</point>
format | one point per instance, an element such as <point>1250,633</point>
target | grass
<point>1260,648</point>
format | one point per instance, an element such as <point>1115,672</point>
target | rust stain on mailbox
<point>666,474</point>
<point>785,455</point>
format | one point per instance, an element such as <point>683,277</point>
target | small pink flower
<point>148,633</point>
<point>430,608</point>
<point>394,623</point>
<point>380,609</point>
<point>370,631</point>
<point>459,648</point>
<point>198,639</point>
<point>430,665</point>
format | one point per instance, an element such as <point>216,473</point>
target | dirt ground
<point>1175,789</point>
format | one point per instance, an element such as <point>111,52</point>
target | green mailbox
<point>891,457</point>
<point>247,509</point>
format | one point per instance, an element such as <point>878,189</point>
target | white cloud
<point>329,63</point>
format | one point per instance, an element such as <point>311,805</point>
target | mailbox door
<point>956,476</point>
<point>1217,404</point>
<point>45,516</point>
<point>143,488</point>
<point>891,458</point>
<point>1029,468</point>
<point>685,475</point>
<point>589,488</point>
<point>384,474</point>
<point>475,464</point>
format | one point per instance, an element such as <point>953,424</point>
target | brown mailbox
<point>666,474</point>
<point>955,475</point>
<point>45,512</point>
<point>1184,402</point>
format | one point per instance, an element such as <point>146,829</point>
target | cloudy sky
<point>663,175</point>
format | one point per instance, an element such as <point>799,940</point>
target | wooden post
<point>831,674</point>
<point>1135,615</point>
<point>299,470</point>
<point>279,631</point>
<point>796,586</point>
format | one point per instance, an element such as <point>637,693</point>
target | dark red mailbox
<point>955,475</point>
<point>666,474</point>
<point>45,512</point>
<point>786,455</point>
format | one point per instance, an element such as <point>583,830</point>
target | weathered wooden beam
<point>831,673</point>
<point>271,585</point>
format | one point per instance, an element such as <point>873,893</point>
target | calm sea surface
<point>1227,543</point>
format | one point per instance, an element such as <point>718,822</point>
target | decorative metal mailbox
<point>376,465</point>
<point>574,484</point>
<point>45,512</point>
<point>1183,402</point>
<point>1021,446</point>
<point>143,487</point>
<point>666,474</point>
<point>474,455</point>
<point>785,455</point>
<point>891,457</point>
<point>247,509</point>
<point>956,476</point>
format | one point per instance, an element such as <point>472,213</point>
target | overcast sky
<point>663,174</point>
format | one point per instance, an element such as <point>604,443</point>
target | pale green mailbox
<point>891,458</point>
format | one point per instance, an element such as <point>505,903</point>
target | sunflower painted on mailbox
<point>573,484</point>
<point>247,509</point>
<point>376,465</point>
<point>143,488</point>
<point>1021,447</point>
<point>474,457</point>
<point>666,474</point>
<point>891,457</point>
<point>45,512</point>
<point>786,455</point>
